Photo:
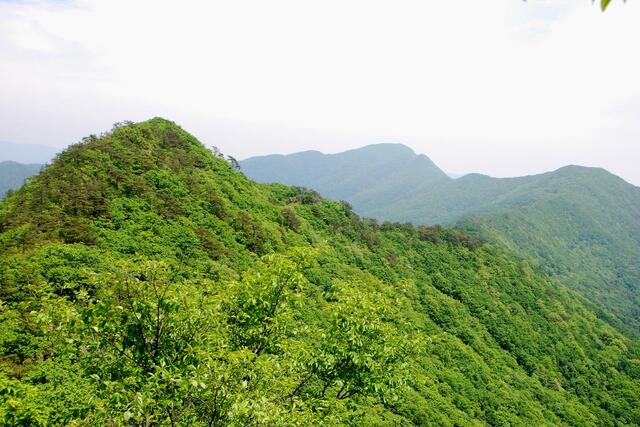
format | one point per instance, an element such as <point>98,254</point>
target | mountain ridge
<point>333,177</point>
<point>599,213</point>
<point>145,280</point>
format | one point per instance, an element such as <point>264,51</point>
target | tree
<point>360,353</point>
<point>234,163</point>
<point>291,220</point>
<point>259,306</point>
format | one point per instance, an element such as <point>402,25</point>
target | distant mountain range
<point>13,175</point>
<point>581,225</point>
<point>370,178</point>
<point>145,281</point>
<point>20,161</point>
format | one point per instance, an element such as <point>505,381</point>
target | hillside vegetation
<point>579,225</point>
<point>145,281</point>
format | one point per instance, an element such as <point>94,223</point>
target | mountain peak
<point>131,159</point>
<point>138,263</point>
<point>384,147</point>
<point>573,169</point>
<point>369,176</point>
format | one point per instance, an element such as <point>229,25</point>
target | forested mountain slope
<point>581,225</point>
<point>145,281</point>
<point>13,175</point>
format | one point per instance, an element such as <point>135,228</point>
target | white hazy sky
<point>502,87</point>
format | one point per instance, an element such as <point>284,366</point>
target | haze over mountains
<point>27,153</point>
<point>580,225</point>
<point>145,280</point>
<point>150,279</point>
<point>350,175</point>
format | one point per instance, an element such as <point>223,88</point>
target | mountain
<point>146,281</point>
<point>27,153</point>
<point>13,175</point>
<point>348,176</point>
<point>580,225</point>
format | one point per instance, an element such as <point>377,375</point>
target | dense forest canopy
<point>146,281</point>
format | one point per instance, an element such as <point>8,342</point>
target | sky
<point>502,87</point>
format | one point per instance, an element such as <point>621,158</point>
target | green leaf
<point>604,4</point>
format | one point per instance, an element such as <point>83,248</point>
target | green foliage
<point>360,353</point>
<point>181,293</point>
<point>579,225</point>
<point>260,304</point>
<point>290,218</point>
